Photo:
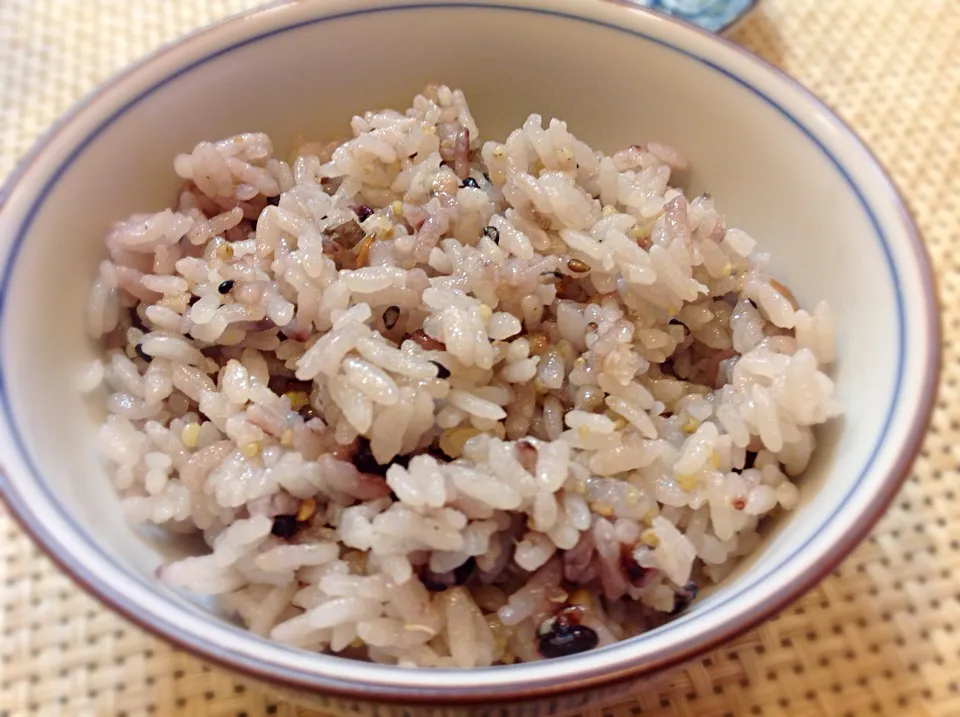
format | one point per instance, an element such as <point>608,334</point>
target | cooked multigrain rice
<point>438,402</point>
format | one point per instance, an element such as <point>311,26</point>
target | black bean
<point>462,574</point>
<point>470,182</point>
<point>442,371</point>
<point>684,597</point>
<point>390,317</point>
<point>750,459</point>
<point>142,354</point>
<point>273,201</point>
<point>285,526</point>
<point>566,640</point>
<point>493,233</point>
<point>226,286</point>
<point>363,212</point>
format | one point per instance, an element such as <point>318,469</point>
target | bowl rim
<point>566,679</point>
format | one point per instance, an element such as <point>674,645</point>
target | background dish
<point>712,15</point>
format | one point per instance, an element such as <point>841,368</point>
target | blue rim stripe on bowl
<point>167,627</point>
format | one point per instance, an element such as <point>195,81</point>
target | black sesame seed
<point>390,317</point>
<point>462,574</point>
<point>285,526</point>
<point>142,354</point>
<point>363,212</point>
<point>566,640</point>
<point>493,233</point>
<point>470,182</point>
<point>442,371</point>
<point>226,286</point>
<point>273,201</point>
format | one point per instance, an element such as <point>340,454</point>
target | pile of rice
<point>442,402</point>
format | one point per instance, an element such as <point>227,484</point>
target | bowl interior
<point>778,165</point>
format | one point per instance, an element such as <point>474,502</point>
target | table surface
<point>878,637</point>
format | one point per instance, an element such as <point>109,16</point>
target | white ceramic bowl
<point>778,162</point>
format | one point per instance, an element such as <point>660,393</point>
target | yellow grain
<point>581,597</point>
<point>190,435</point>
<point>601,508</point>
<point>298,399</point>
<point>452,440</point>
<point>306,510</point>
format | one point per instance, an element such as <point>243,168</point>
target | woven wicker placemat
<point>877,637</point>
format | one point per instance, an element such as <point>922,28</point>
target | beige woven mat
<point>878,637</point>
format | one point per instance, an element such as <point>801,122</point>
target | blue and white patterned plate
<point>713,15</point>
